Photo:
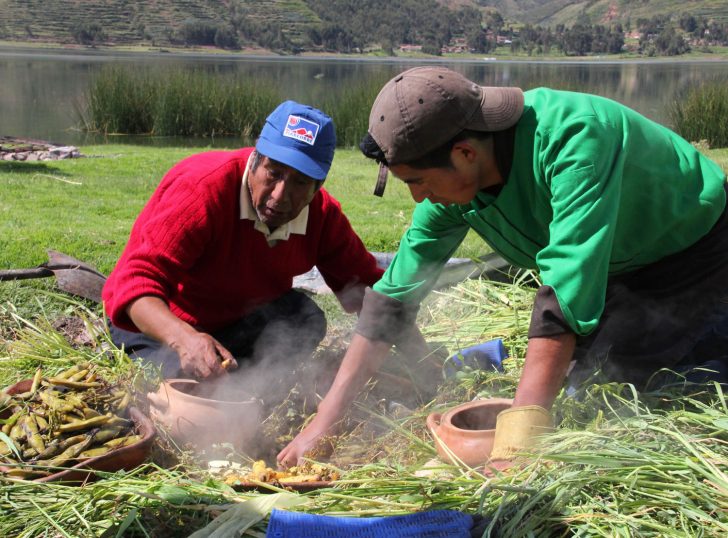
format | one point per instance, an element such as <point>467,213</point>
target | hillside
<point>296,25</point>
<point>553,12</point>
<point>123,21</point>
<point>135,21</point>
<point>604,11</point>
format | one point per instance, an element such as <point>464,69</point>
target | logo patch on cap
<point>301,129</point>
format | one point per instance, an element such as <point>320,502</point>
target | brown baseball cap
<point>422,108</point>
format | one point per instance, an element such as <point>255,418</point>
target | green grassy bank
<point>86,207</point>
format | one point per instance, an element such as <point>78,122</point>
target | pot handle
<point>433,421</point>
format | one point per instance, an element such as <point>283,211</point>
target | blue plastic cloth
<point>430,524</point>
<point>486,356</point>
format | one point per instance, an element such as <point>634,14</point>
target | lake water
<point>41,92</point>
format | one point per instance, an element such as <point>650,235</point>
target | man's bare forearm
<point>153,317</point>
<point>547,361</point>
<point>362,360</point>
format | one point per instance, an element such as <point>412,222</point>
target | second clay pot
<point>465,432</point>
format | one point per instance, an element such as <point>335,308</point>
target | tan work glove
<point>517,428</point>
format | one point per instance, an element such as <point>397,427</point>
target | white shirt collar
<point>247,212</point>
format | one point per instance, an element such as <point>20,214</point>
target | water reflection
<point>41,93</point>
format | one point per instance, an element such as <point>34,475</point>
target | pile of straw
<point>621,464</point>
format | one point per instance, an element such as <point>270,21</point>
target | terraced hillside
<point>604,11</point>
<point>131,21</point>
<point>123,21</point>
<point>294,16</point>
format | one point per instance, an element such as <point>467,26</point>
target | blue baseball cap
<point>301,137</point>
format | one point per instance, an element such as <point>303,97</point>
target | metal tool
<point>72,275</point>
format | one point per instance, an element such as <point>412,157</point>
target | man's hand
<point>547,360</point>
<point>314,441</point>
<point>517,428</point>
<point>199,353</point>
<point>201,356</point>
<point>361,362</point>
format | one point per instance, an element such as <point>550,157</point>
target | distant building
<point>410,48</point>
<point>456,45</point>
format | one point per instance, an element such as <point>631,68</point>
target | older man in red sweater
<point>206,276</point>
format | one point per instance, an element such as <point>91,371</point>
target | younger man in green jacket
<point>624,221</point>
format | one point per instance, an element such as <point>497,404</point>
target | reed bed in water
<point>349,108</point>
<point>700,113</point>
<point>621,464</point>
<point>176,102</point>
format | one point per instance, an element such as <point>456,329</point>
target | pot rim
<point>446,419</point>
<point>169,385</point>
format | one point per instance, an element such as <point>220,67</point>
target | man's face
<point>279,192</point>
<point>472,168</point>
<point>439,185</point>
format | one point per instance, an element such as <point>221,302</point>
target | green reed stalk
<point>350,108</point>
<point>701,114</point>
<point>173,102</point>
<point>121,102</point>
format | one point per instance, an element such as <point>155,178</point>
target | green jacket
<point>595,189</point>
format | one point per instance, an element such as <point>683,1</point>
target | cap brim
<point>500,108</point>
<point>291,157</point>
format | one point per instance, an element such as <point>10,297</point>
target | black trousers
<point>276,334</point>
<point>672,314</point>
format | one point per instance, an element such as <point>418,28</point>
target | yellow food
<point>259,472</point>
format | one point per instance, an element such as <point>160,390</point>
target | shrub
<point>194,32</point>
<point>701,113</point>
<point>226,38</point>
<point>88,33</point>
<point>432,47</point>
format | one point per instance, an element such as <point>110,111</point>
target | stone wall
<point>20,149</point>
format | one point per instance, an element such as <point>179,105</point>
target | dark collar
<point>503,146</point>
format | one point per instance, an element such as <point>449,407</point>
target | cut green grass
<point>632,465</point>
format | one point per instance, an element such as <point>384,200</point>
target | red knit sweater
<point>190,247</point>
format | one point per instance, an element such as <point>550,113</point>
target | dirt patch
<point>76,331</point>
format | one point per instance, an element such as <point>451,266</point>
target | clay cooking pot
<point>203,414</point>
<point>466,431</point>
